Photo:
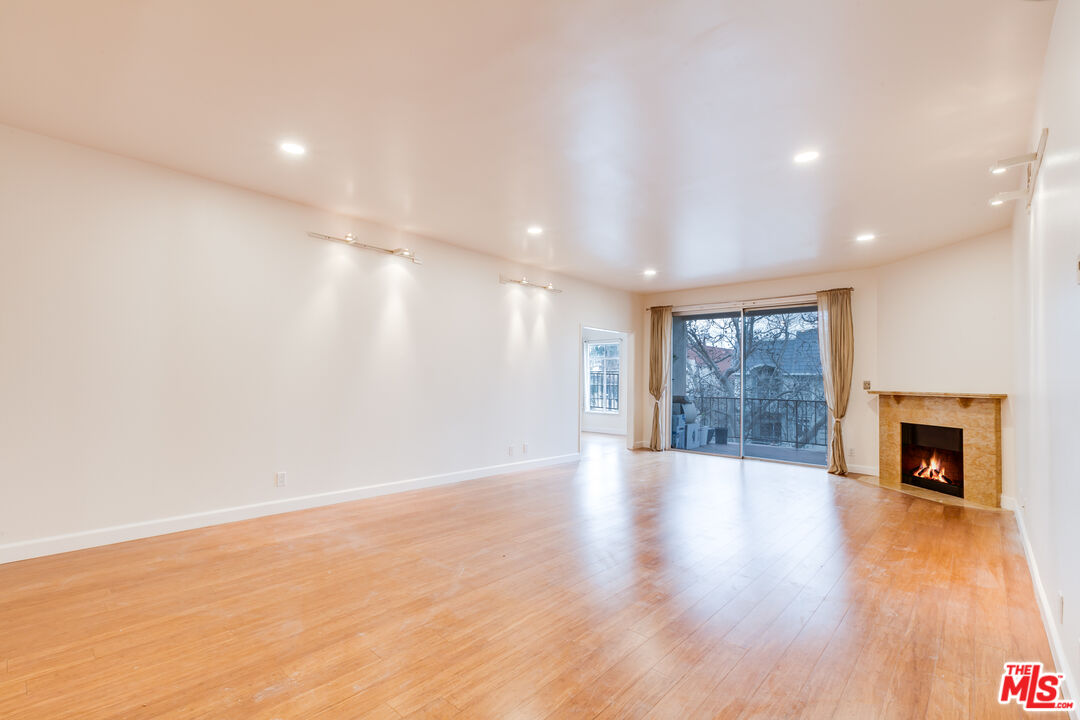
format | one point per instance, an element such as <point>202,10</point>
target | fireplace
<point>932,457</point>
<point>975,421</point>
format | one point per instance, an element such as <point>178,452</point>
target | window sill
<point>602,412</point>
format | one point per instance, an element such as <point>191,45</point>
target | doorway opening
<point>605,384</point>
<point>748,383</point>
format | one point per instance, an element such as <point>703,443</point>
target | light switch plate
<point>865,384</point>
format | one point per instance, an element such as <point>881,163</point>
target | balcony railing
<point>769,421</point>
<point>598,399</point>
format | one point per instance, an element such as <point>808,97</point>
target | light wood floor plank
<point>627,585</point>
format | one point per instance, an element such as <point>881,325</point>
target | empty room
<point>520,360</point>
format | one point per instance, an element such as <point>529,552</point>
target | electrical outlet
<point>510,450</point>
<point>851,453</point>
<point>1061,608</point>
<point>524,448</point>
<point>279,479</point>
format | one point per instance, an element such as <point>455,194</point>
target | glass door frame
<point>741,309</point>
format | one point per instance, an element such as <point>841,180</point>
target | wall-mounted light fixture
<point>1003,197</point>
<point>350,239</point>
<point>506,280</point>
<point>1033,163</point>
<point>1002,165</point>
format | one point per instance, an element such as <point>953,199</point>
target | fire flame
<point>931,471</point>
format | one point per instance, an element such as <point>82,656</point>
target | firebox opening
<point>932,457</point>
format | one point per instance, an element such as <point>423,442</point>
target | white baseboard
<point>1057,648</point>
<point>863,469</point>
<point>39,547</point>
<point>641,444</point>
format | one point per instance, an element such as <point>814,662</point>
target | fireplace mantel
<point>977,415</point>
<point>911,393</point>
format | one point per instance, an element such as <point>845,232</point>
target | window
<point>748,383</point>
<point>602,383</point>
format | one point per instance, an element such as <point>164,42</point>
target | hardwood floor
<point>638,584</point>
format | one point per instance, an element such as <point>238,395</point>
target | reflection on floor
<point>601,443</point>
<point>629,584</point>
<point>808,456</point>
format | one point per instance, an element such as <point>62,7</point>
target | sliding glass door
<point>784,409</point>
<point>748,383</point>
<point>706,383</point>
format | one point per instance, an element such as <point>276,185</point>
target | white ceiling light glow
<point>865,237</point>
<point>806,156</point>
<point>293,148</point>
<point>535,230</point>
<point>650,272</point>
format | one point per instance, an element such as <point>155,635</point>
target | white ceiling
<point>638,133</point>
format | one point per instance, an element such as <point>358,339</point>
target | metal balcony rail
<point>768,421</point>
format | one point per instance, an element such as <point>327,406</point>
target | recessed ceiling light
<point>649,272</point>
<point>865,237</point>
<point>293,148</point>
<point>806,156</point>
<point>535,230</point>
<point>997,201</point>
<point>998,170</point>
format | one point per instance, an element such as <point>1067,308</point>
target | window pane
<point>706,383</point>
<point>784,407</point>
<point>603,380</point>
<point>596,390</point>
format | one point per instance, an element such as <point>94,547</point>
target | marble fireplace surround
<point>978,415</point>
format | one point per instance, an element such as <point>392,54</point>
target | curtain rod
<point>732,303</point>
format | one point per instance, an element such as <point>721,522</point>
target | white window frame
<point>586,391</point>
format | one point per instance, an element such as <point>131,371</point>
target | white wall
<point>938,321</point>
<point>944,318</point>
<point>945,322</point>
<point>167,343</point>
<point>1047,341</point>
<point>610,423</point>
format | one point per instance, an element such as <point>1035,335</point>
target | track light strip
<point>1033,163</point>
<point>351,241</point>
<point>549,287</point>
<point>1002,165</point>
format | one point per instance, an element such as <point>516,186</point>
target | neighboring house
<point>784,395</point>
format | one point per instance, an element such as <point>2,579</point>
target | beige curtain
<point>659,369</point>
<point>836,341</point>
